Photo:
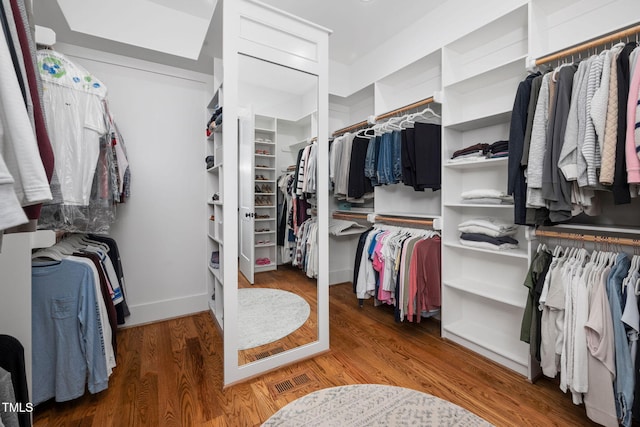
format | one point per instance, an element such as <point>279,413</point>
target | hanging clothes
<point>582,137</point>
<point>399,267</point>
<point>588,311</point>
<point>91,163</point>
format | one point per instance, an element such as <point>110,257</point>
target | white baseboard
<point>167,309</point>
<point>340,276</point>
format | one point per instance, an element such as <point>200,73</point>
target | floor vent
<point>292,383</point>
<point>267,353</point>
<point>263,355</point>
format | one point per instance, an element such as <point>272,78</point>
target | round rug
<point>266,315</point>
<point>372,405</point>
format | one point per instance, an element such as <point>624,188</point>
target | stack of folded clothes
<point>488,233</point>
<point>215,120</point>
<point>486,196</point>
<point>473,152</point>
<point>498,149</point>
<point>481,152</point>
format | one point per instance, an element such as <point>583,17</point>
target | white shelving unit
<point>482,293</point>
<point>265,199</point>
<point>215,226</point>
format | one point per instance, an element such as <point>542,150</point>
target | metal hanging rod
<point>613,37</point>
<point>589,238</point>
<point>384,116</point>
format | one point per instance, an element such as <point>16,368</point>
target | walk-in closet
<point>215,213</point>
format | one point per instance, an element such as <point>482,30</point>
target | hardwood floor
<point>170,374</point>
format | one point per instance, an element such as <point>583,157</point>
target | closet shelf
<point>487,338</point>
<point>513,253</point>
<point>215,239</point>
<point>214,168</point>
<point>217,316</point>
<point>264,181</point>
<point>513,297</point>
<point>215,203</point>
<point>265,143</point>
<point>265,267</point>
<point>264,219</point>
<point>264,169</point>
<point>496,74</point>
<point>477,205</point>
<point>264,206</point>
<point>269,156</point>
<point>265,130</point>
<point>265,232</point>
<point>265,245</point>
<point>493,118</point>
<point>216,273</point>
<point>478,163</point>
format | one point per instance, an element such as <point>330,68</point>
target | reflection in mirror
<point>277,288</point>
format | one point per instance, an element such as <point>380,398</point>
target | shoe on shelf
<point>263,261</point>
<point>257,189</point>
<point>266,188</point>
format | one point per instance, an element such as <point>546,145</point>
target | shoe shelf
<point>265,158</point>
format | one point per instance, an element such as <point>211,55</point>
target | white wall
<point>161,230</point>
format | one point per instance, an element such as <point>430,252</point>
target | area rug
<point>372,405</point>
<point>266,315</point>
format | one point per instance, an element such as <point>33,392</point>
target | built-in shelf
<point>492,118</point>
<point>215,203</point>
<point>266,266</point>
<point>215,239</point>
<point>484,163</point>
<point>265,130</point>
<point>264,206</point>
<point>265,245</point>
<point>264,169</point>
<point>264,219</point>
<point>498,73</point>
<point>489,291</point>
<point>216,273</point>
<point>266,181</point>
<point>265,143</point>
<point>265,232</point>
<point>488,338</point>
<point>269,156</point>
<point>265,194</point>
<point>513,253</point>
<point>477,205</point>
<point>214,168</point>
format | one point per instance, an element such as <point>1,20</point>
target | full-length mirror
<point>277,224</point>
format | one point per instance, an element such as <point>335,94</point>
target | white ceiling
<point>358,27</point>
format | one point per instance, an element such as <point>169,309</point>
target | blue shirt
<point>68,346</point>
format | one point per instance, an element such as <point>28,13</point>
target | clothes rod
<point>344,215</point>
<point>351,128</point>
<point>405,108</point>
<point>384,116</point>
<point>399,220</point>
<point>589,238</point>
<point>613,37</point>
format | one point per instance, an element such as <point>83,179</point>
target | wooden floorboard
<point>170,374</point>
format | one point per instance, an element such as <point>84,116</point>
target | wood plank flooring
<point>291,279</point>
<point>170,374</point>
